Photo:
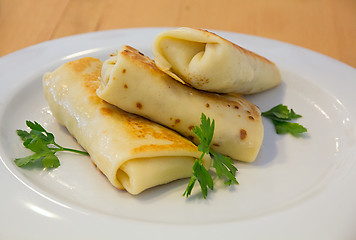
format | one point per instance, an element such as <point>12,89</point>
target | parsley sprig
<point>223,165</point>
<point>281,117</point>
<point>42,143</point>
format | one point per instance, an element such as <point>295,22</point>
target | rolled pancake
<point>209,62</point>
<point>133,153</point>
<point>133,82</point>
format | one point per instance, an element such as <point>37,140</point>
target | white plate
<point>298,188</point>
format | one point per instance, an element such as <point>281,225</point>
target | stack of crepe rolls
<point>132,82</point>
<point>209,62</point>
<point>133,153</point>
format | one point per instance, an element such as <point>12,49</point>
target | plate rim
<point>146,227</point>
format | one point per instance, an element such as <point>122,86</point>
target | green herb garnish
<point>222,164</point>
<point>281,117</point>
<point>42,143</point>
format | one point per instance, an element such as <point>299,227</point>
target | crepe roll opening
<point>173,45</point>
<point>107,69</point>
<point>179,53</point>
<point>139,174</point>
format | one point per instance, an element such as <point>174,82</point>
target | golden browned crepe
<point>133,82</point>
<point>209,62</point>
<point>133,153</point>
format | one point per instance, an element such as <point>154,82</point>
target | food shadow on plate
<point>176,189</point>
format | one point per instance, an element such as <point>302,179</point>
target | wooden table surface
<point>325,26</point>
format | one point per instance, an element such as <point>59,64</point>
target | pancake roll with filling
<point>132,82</point>
<point>132,152</point>
<point>211,63</point>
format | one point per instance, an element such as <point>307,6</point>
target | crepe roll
<point>132,81</point>
<point>209,62</point>
<point>132,152</point>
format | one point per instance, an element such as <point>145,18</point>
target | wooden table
<point>325,26</point>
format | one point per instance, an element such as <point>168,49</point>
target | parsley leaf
<point>281,117</point>
<point>42,143</point>
<point>287,127</point>
<point>205,133</point>
<point>204,178</point>
<point>224,167</point>
<point>223,164</point>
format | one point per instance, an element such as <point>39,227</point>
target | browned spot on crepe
<point>176,141</point>
<point>139,127</point>
<point>139,105</point>
<point>90,79</point>
<point>107,111</point>
<point>82,64</point>
<point>95,100</point>
<point>243,134</point>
